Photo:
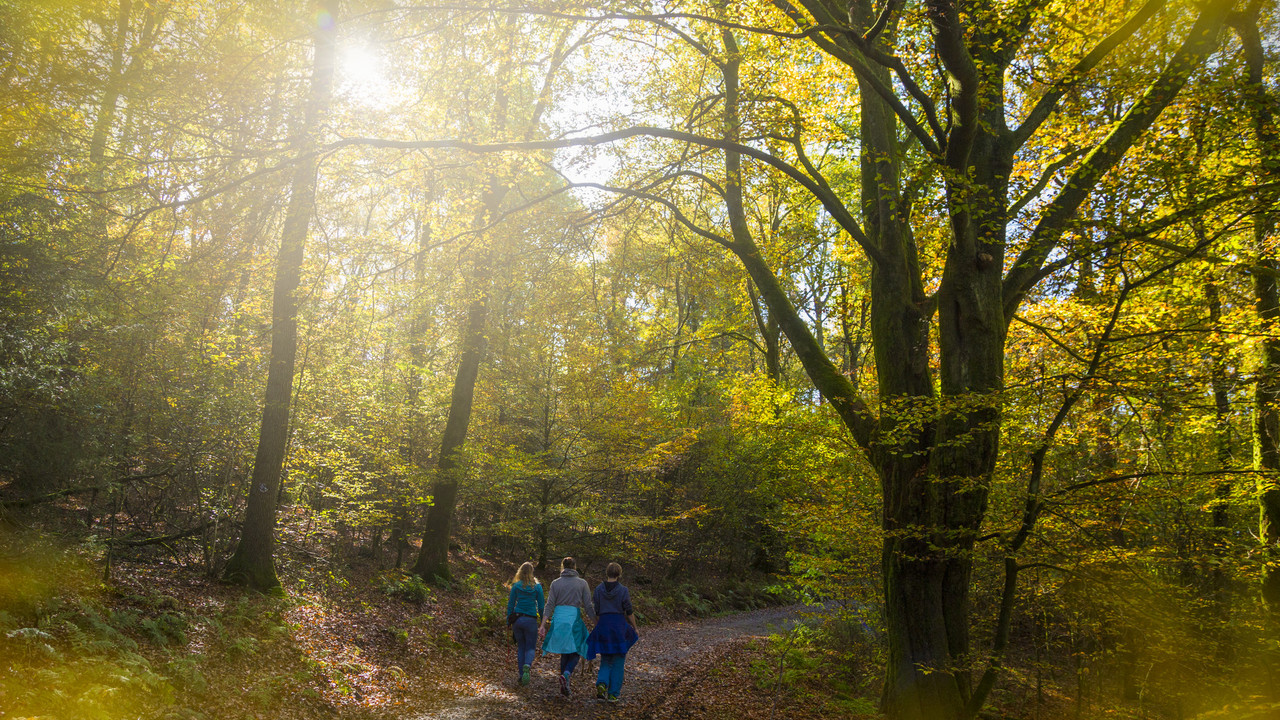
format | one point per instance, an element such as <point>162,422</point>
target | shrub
<point>788,658</point>
<point>490,616</point>
<point>409,588</point>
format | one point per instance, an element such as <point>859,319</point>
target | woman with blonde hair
<point>524,609</point>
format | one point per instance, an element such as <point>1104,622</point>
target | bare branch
<point>675,211</point>
<point>830,202</point>
<point>1045,177</point>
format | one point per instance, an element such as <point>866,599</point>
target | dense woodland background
<point>522,239</point>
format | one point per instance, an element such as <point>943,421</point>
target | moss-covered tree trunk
<point>934,443</point>
<point>1266,419</point>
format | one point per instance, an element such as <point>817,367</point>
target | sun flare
<point>362,77</point>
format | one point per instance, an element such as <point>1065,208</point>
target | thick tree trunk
<point>253,563</point>
<point>935,449</point>
<point>1267,426</point>
<point>1266,420</point>
<point>1221,518</point>
<point>1266,429</point>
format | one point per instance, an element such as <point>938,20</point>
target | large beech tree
<point>932,435</point>
<point>934,440</point>
<point>1261,111</point>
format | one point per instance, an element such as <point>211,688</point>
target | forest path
<point>652,669</point>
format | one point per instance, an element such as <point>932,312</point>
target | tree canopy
<point>960,313</point>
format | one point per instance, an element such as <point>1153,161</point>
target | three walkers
<point>569,604</point>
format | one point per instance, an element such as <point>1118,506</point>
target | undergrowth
<point>832,667</point>
<point>74,646</point>
<point>689,600</point>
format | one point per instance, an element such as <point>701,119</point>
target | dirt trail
<point>651,664</point>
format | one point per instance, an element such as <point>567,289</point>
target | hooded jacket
<point>525,600</point>
<point>570,589</point>
<point>612,596</point>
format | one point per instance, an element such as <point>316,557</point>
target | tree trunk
<point>1267,423</point>
<point>253,563</point>
<point>1221,518</point>
<point>935,449</point>
<point>433,558</point>
<point>411,446</point>
<point>1266,420</point>
<point>111,90</point>
<point>770,335</point>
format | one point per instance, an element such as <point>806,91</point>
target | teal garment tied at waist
<point>568,634</point>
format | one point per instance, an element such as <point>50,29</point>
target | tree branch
<point>830,202</point>
<point>66,492</point>
<point>1044,107</point>
<point>163,538</point>
<point>867,78</point>
<point>1040,184</point>
<point>1201,41</point>
<point>948,41</point>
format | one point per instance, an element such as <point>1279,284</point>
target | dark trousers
<point>525,631</point>
<point>568,663</point>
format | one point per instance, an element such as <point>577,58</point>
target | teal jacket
<point>526,600</point>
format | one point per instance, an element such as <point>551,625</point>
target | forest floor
<point>345,639</point>
<point>349,641</point>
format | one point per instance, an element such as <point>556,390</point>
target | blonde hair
<point>525,575</point>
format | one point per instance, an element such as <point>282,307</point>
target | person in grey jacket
<point>568,607</point>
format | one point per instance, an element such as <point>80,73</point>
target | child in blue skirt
<point>614,634</point>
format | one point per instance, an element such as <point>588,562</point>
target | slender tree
<point>253,562</point>
<point>433,557</point>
